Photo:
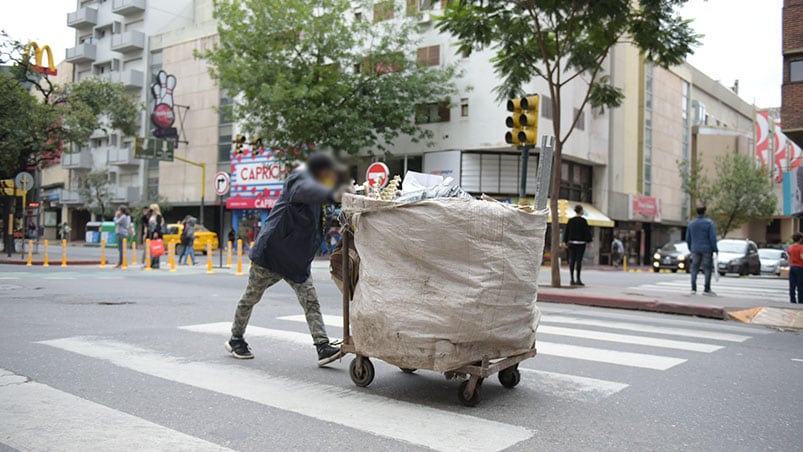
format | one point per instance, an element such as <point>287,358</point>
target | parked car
<point>772,260</point>
<point>672,256</point>
<point>738,256</point>
<point>202,236</point>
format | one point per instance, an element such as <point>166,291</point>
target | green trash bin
<point>107,233</point>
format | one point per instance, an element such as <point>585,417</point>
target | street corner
<point>778,318</point>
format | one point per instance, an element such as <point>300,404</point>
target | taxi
<point>202,236</point>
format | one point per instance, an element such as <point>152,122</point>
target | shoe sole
<point>234,354</point>
<point>325,361</point>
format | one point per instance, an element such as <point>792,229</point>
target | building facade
<point>792,88</point>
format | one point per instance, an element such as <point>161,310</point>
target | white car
<point>772,260</point>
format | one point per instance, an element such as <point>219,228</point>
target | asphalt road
<point>110,360</point>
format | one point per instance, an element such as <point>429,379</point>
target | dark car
<point>672,256</point>
<point>738,256</point>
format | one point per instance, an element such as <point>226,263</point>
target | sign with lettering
<point>256,179</point>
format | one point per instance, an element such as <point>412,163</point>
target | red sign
<point>646,206</point>
<point>251,203</point>
<point>377,175</point>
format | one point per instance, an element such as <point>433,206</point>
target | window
<point>429,56</point>
<point>358,17</point>
<point>581,119</point>
<point>647,131</point>
<point>432,112</point>
<point>796,71</point>
<point>464,107</point>
<point>225,129</point>
<point>576,182</point>
<point>546,108</point>
<point>383,10</point>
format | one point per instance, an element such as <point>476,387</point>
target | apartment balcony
<point>81,160</point>
<point>83,17</point>
<point>128,7</point>
<point>130,41</point>
<point>122,156</point>
<point>126,195</point>
<point>131,78</point>
<point>82,53</point>
<point>69,197</point>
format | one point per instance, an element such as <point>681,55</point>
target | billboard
<point>256,179</point>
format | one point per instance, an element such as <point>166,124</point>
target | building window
<point>432,112</point>
<point>358,16</point>
<point>581,119</point>
<point>796,71</point>
<point>576,182</point>
<point>546,108</point>
<point>225,128</point>
<point>429,56</point>
<point>383,10</point>
<point>464,107</point>
<point>647,142</point>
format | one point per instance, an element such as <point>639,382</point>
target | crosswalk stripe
<point>719,289</point>
<point>573,387</point>
<point>628,339</point>
<point>578,389</point>
<point>645,328</point>
<point>403,421</point>
<point>39,417</point>
<point>601,355</point>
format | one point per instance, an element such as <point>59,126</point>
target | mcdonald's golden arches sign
<point>50,69</point>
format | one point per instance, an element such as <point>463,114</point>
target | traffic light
<point>239,141</point>
<point>523,122</point>
<point>255,141</point>
<point>138,145</point>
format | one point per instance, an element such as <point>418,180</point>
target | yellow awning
<point>593,215</point>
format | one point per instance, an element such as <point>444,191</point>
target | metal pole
<point>203,187</point>
<point>525,156</point>
<point>220,226</point>
<point>544,174</point>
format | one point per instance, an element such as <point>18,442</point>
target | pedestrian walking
<point>188,240</point>
<point>122,226</point>
<point>617,251</point>
<point>143,232</point>
<point>578,234</point>
<point>155,229</point>
<point>795,253</point>
<point>701,236</point>
<point>284,250</point>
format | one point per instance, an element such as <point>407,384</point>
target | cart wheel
<point>362,377</point>
<point>407,371</point>
<point>510,377</point>
<point>468,401</point>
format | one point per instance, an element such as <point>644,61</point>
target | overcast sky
<point>742,39</point>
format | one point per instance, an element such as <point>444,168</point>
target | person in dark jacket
<point>701,235</point>
<point>284,250</point>
<point>577,235</point>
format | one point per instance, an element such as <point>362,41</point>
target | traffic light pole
<point>524,159</point>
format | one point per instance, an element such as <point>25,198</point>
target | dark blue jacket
<point>292,233</point>
<point>701,235</point>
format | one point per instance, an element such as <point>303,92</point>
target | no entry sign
<point>377,175</point>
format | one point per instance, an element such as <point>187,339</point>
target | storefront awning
<point>593,215</point>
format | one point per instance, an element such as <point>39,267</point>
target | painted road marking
<point>601,355</point>
<point>628,339</point>
<point>403,421</point>
<point>39,417</point>
<point>561,385</point>
<point>644,328</point>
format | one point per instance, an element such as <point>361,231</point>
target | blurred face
<point>327,177</point>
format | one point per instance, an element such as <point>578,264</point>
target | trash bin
<point>107,232</point>
<point>93,232</point>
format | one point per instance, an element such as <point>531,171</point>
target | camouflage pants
<point>259,279</point>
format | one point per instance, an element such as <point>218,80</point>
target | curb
<point>665,307</point>
<point>56,263</point>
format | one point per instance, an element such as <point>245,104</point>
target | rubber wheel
<point>674,270</point>
<point>510,377</point>
<point>721,273</point>
<point>471,401</point>
<point>407,371</point>
<point>744,270</point>
<point>656,269</point>
<point>365,375</point>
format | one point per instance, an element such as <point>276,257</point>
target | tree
<point>741,193</point>
<point>310,74</point>
<point>566,42</point>
<point>94,189</point>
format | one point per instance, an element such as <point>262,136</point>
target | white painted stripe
<point>628,339</point>
<point>601,355</point>
<point>581,387</point>
<point>645,328</point>
<point>797,359</point>
<point>8,277</point>
<point>719,289</point>
<point>403,421</point>
<point>573,387</point>
<point>38,417</point>
<point>328,320</point>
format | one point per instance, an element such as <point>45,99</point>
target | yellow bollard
<point>171,259</point>
<point>133,253</point>
<point>147,254</point>
<point>239,257</point>
<point>102,253</point>
<point>63,253</point>
<point>209,258</point>
<point>228,254</point>
<point>624,265</point>
<point>189,260</point>
<point>30,254</point>
<point>46,261</point>
<point>124,263</point>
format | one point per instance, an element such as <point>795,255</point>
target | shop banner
<point>256,179</point>
<point>645,208</point>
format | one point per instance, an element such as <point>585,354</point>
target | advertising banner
<point>256,179</point>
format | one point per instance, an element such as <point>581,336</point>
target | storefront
<point>256,183</point>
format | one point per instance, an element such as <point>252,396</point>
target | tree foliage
<point>566,42</point>
<point>95,191</point>
<point>311,74</point>
<point>740,193</point>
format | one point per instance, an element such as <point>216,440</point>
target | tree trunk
<point>554,243</point>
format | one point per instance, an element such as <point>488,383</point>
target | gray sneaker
<point>693,292</point>
<point>709,293</point>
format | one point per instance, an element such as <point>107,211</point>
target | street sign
<point>24,181</point>
<point>154,149</point>
<point>377,175</point>
<point>222,183</point>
